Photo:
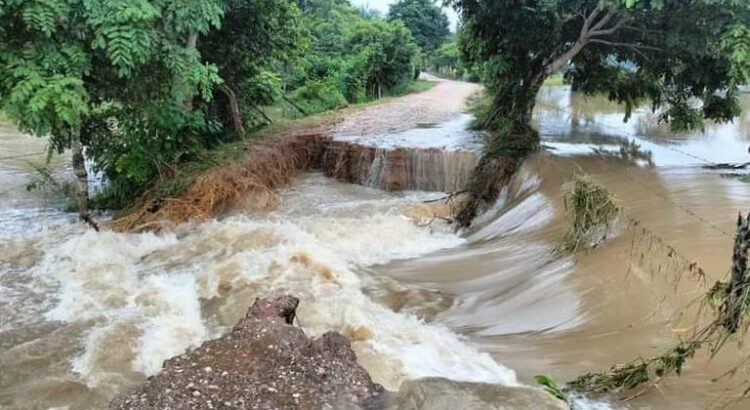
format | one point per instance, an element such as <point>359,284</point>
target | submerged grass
<point>591,210</point>
<point>728,306</point>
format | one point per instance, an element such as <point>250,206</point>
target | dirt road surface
<point>444,101</point>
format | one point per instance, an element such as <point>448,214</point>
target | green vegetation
<point>591,210</point>
<point>550,386</point>
<point>726,306</point>
<point>145,87</point>
<point>446,61</point>
<point>671,53</point>
<point>424,19</point>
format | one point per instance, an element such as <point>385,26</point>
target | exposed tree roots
<point>490,176</point>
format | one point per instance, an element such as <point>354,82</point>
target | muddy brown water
<point>84,315</point>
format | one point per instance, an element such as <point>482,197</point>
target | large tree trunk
<point>511,138</point>
<point>82,179</point>
<point>234,110</point>
<point>511,119</point>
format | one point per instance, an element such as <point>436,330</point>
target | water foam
<point>147,291</point>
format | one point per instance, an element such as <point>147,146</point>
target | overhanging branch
<point>623,44</point>
<point>597,24</point>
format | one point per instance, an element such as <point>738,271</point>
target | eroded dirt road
<point>444,101</point>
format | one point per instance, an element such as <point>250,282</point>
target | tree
<point>425,20</point>
<point>351,58</point>
<point>385,58</point>
<point>257,38</point>
<point>686,57</point>
<point>69,66</point>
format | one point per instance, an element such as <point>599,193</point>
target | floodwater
<point>85,315</point>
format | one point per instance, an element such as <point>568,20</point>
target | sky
<point>382,5</point>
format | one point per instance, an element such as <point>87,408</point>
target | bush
<point>320,95</point>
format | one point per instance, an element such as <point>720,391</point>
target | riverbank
<point>91,315</point>
<point>247,173</point>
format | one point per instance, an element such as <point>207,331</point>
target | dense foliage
<point>352,58</point>
<point>447,61</point>
<point>425,20</point>
<point>142,86</point>
<point>686,57</point>
<point>70,66</point>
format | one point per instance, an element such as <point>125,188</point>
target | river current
<point>86,315</point>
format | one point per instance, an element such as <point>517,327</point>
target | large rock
<point>264,363</point>
<point>442,394</point>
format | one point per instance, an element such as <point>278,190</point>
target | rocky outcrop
<point>263,363</point>
<point>267,363</point>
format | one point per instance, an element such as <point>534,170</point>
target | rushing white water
<point>148,293</point>
<point>85,315</point>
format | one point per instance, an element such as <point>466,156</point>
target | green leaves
<point>686,57</point>
<point>45,15</point>
<point>41,104</point>
<point>122,72</point>
<point>428,24</point>
<point>126,31</point>
<point>736,44</point>
<point>550,386</point>
<point>193,16</point>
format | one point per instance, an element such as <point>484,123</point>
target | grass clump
<point>550,386</point>
<point>416,86</point>
<point>590,211</point>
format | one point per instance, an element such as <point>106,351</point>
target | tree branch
<point>591,29</point>
<point>587,20</point>
<point>604,20</point>
<point>620,23</point>
<point>621,44</point>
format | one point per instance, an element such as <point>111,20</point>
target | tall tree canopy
<point>427,22</point>
<point>669,52</point>
<point>686,57</point>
